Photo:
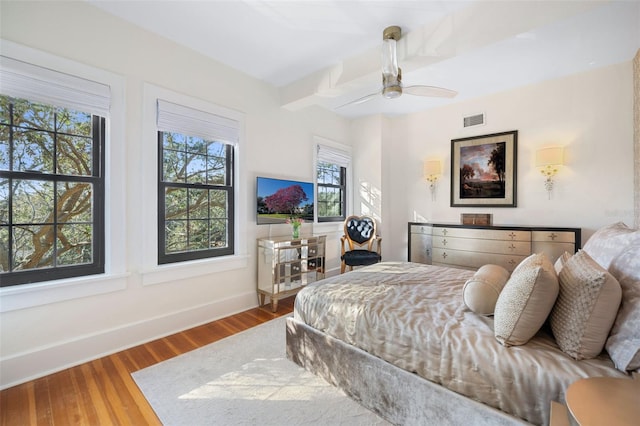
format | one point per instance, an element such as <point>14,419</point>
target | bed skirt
<point>398,396</point>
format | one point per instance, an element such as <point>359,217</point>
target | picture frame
<point>483,170</point>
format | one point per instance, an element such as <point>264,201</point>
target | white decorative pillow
<point>561,261</point>
<point>481,291</point>
<point>586,307</point>
<point>525,301</point>
<point>610,241</point>
<point>623,343</point>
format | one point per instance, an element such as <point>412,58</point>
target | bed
<point>397,337</point>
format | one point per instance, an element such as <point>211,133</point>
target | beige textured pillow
<point>586,307</point>
<point>525,301</point>
<point>480,293</point>
<point>561,261</point>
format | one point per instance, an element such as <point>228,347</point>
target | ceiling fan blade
<point>430,91</point>
<point>360,100</point>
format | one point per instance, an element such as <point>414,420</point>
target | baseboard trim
<point>42,361</point>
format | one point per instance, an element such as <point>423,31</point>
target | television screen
<point>279,200</point>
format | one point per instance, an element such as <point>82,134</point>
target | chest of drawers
<point>471,246</point>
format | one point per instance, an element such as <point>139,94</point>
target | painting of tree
<point>483,170</point>
<point>497,160</point>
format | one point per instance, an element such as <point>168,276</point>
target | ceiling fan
<point>392,75</point>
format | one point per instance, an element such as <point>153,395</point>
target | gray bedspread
<point>412,316</point>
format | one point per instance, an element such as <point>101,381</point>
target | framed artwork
<point>483,170</point>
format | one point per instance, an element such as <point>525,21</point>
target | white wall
<point>590,114</point>
<point>40,339</point>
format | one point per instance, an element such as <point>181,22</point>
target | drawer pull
<point>512,247</point>
<point>512,235</point>
<point>444,232</point>
<point>512,262</point>
<point>444,242</point>
<point>444,255</point>
<point>553,236</point>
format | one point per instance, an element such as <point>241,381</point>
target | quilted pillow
<point>623,343</point>
<point>586,307</point>
<point>610,241</point>
<point>480,293</point>
<point>525,301</point>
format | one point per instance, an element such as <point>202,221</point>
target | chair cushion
<point>360,229</point>
<point>360,257</point>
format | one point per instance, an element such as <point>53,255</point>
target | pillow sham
<point>623,344</point>
<point>586,307</point>
<point>609,241</point>
<point>480,292</point>
<point>525,301</point>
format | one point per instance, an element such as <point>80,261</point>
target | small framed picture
<point>483,170</point>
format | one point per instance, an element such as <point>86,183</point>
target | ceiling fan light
<point>389,57</point>
<point>392,92</point>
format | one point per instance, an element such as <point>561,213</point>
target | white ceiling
<point>327,53</point>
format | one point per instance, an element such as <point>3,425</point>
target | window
<point>52,144</point>
<point>195,184</point>
<point>51,192</point>
<point>331,176</point>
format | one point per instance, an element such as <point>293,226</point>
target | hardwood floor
<point>102,392</point>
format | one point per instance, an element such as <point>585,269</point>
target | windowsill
<point>37,294</point>
<point>179,271</point>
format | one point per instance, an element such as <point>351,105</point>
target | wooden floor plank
<point>142,413</point>
<point>81,391</point>
<point>44,412</point>
<point>103,392</point>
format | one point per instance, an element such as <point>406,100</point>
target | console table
<point>286,265</point>
<point>471,246</point>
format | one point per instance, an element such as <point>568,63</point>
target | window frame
<point>343,191</point>
<point>324,150</point>
<point>228,187</point>
<point>54,272</point>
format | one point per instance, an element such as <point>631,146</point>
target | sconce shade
<point>432,167</point>
<point>549,157</point>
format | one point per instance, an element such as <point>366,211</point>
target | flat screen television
<point>280,199</point>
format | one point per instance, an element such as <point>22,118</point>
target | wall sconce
<point>432,172</point>
<point>550,160</point>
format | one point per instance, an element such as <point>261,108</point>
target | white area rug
<point>246,379</point>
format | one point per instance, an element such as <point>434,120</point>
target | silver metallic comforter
<point>412,315</point>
